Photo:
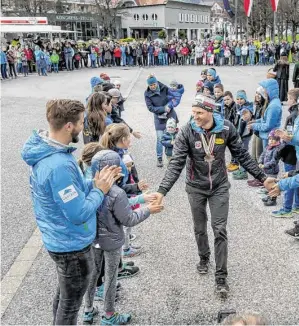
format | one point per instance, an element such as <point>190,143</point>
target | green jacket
<point>54,58</point>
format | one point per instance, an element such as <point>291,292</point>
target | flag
<point>274,4</point>
<point>228,8</point>
<point>248,6</point>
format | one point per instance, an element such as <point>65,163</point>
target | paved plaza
<point>263,262</point>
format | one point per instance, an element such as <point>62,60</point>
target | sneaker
<point>221,286</point>
<point>203,265</point>
<point>232,167</point>
<point>88,316</point>
<point>282,213</point>
<point>294,233</point>
<point>160,163</point>
<point>263,191</point>
<point>116,319</point>
<point>295,210</point>
<point>249,182</point>
<point>99,294</point>
<point>241,175</point>
<point>128,263</point>
<point>131,252</point>
<point>127,272</point>
<point>270,201</point>
<point>132,237</point>
<point>255,183</point>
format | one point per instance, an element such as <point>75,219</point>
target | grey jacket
<point>115,211</point>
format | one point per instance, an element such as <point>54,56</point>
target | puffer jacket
<point>64,203</point>
<point>188,149</point>
<point>167,141</point>
<point>156,103</point>
<point>295,139</point>
<point>289,183</point>
<point>270,159</point>
<point>175,96</point>
<point>272,115</point>
<point>115,211</point>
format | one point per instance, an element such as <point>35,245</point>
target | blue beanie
<point>151,80</point>
<point>94,81</point>
<point>241,94</point>
<point>211,72</point>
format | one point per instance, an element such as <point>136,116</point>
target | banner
<point>228,8</point>
<point>274,4</point>
<point>248,6</point>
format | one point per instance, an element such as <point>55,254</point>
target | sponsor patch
<point>219,141</point>
<point>67,194</point>
<point>198,144</point>
<point>226,127</point>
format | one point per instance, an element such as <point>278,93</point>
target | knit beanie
<point>205,103</point>
<point>116,82</point>
<point>104,76</point>
<point>241,94</point>
<point>260,90</point>
<point>114,92</point>
<point>212,72</point>
<point>174,84</point>
<point>94,81</point>
<point>151,79</point>
<point>272,135</point>
<point>204,72</point>
<point>171,123</point>
<point>200,83</point>
<point>210,86</point>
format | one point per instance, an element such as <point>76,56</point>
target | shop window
<point>136,17</point>
<point>154,17</point>
<point>145,16</point>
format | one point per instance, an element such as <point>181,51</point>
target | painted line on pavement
<point>133,83</point>
<point>19,269</point>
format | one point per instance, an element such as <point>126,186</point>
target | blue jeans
<point>159,146</point>
<point>3,71</point>
<point>74,272</point>
<point>165,59</point>
<point>151,59</point>
<point>251,58</point>
<point>291,197</point>
<point>55,67</point>
<point>19,68</point>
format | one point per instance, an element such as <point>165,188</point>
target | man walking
<point>201,145</point>
<point>65,204</point>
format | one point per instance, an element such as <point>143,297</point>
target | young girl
<point>112,215</point>
<point>122,99</point>
<point>199,87</point>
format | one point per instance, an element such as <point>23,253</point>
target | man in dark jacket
<point>157,102</point>
<point>200,145</point>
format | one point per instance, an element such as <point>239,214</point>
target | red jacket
<point>29,54</point>
<point>185,51</point>
<point>117,53</point>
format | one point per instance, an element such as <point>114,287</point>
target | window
<point>181,18</point>
<point>192,18</point>
<point>202,19</point>
<point>136,17</point>
<point>187,18</point>
<point>197,18</point>
<point>154,17</point>
<point>145,16</point>
<point>207,19</point>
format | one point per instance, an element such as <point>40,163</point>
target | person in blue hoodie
<point>156,100</point>
<point>65,204</point>
<point>3,61</point>
<point>175,93</point>
<point>37,55</point>
<point>151,58</point>
<point>271,118</point>
<point>212,77</point>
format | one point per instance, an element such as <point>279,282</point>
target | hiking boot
<point>88,316</point>
<point>116,319</point>
<point>255,183</point>
<point>160,162</point>
<point>240,175</point>
<point>249,182</point>
<point>127,272</point>
<point>128,263</point>
<point>282,213</point>
<point>131,252</point>
<point>294,233</point>
<point>270,201</point>
<point>232,167</point>
<point>221,286</point>
<point>203,265</point>
<point>132,237</point>
<point>295,210</point>
<point>99,294</point>
<point>263,191</point>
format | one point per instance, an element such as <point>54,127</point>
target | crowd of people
<point>22,58</point>
<point>93,204</point>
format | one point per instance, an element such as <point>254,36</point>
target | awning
<point>9,28</point>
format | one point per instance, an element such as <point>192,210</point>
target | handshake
<point>271,185</point>
<point>154,201</point>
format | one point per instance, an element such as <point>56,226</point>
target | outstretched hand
<point>275,191</point>
<point>159,198</point>
<point>269,183</point>
<point>143,185</point>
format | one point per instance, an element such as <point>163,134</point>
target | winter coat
<point>115,211</point>
<point>10,57</point>
<point>29,54</point>
<point>295,139</point>
<point>214,81</point>
<point>270,159</point>
<point>242,124</point>
<point>237,51</point>
<point>251,49</point>
<point>64,203</point>
<point>289,183</point>
<point>3,58</point>
<point>272,115</point>
<point>175,96</point>
<point>188,150</point>
<point>54,58</point>
<point>290,120</point>
<point>167,141</point>
<point>220,105</point>
<point>37,54</point>
<point>156,103</point>
<point>230,113</point>
<point>171,51</point>
<point>295,78</point>
<point>67,52</point>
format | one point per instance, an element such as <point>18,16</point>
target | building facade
<point>177,18</point>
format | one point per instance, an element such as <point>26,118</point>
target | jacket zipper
<point>210,178</point>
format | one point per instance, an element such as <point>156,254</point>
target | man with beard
<point>65,204</point>
<point>201,145</point>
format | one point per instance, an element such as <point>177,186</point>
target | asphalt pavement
<point>263,263</point>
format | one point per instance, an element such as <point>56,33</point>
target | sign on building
<point>24,20</point>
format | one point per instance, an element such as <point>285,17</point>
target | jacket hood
<point>40,146</point>
<point>103,158</point>
<point>271,87</point>
<point>219,123</point>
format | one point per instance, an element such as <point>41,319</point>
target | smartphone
<point>222,314</point>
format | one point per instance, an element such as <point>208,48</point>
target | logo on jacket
<point>219,141</point>
<point>68,193</point>
<point>198,144</point>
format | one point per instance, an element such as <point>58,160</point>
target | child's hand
<point>172,142</point>
<point>285,175</point>
<point>261,166</point>
<point>149,198</point>
<point>143,185</point>
<point>155,208</point>
<point>137,134</point>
